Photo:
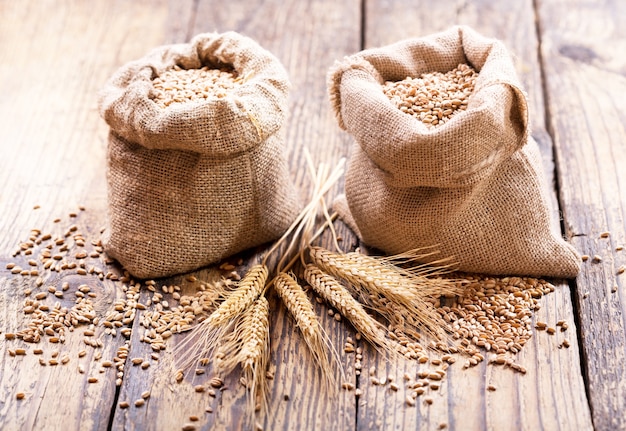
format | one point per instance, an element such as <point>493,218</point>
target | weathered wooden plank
<point>65,118</point>
<point>582,52</point>
<point>552,394</point>
<point>51,378</point>
<point>290,30</point>
<point>54,140</point>
<point>54,57</point>
<point>306,37</point>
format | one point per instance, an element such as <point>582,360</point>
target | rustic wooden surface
<point>585,80</point>
<point>56,55</point>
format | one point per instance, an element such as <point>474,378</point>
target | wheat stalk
<point>409,291</point>
<point>301,308</point>
<point>254,353</point>
<point>323,182</point>
<point>338,297</point>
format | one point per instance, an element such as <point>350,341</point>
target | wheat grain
<point>179,85</point>
<point>433,98</point>
<point>494,313</point>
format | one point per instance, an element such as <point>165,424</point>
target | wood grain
<point>536,400</point>
<point>306,37</point>
<point>290,31</point>
<point>54,57</point>
<point>49,387</point>
<point>585,69</point>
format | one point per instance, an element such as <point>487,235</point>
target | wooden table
<point>56,55</point>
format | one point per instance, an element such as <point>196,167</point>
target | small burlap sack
<point>193,183</point>
<point>472,187</point>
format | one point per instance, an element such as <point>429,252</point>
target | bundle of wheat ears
<point>373,293</point>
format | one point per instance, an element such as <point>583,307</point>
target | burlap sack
<point>193,183</point>
<point>473,187</point>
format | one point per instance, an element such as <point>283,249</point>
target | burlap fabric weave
<point>473,187</point>
<point>193,183</point>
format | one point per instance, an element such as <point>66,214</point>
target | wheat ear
<point>208,334</point>
<point>409,291</point>
<point>340,298</point>
<point>320,346</point>
<point>254,353</point>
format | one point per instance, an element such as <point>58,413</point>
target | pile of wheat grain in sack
<point>443,156</point>
<point>196,164</point>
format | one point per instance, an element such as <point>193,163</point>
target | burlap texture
<point>473,187</point>
<point>193,183</point>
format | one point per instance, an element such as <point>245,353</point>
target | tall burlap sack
<point>472,187</point>
<point>193,183</point>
